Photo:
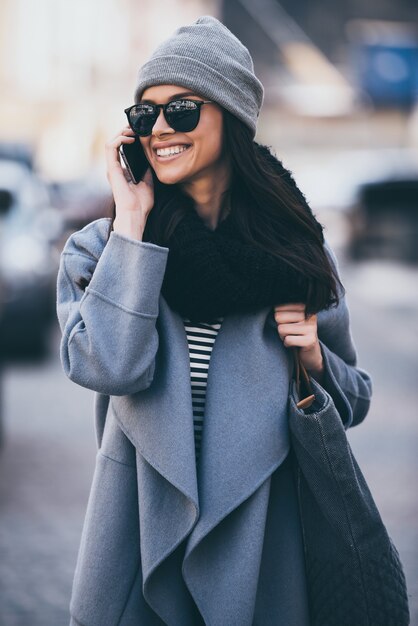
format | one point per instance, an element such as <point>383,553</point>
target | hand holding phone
<point>133,199</point>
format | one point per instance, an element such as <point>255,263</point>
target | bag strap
<point>303,383</point>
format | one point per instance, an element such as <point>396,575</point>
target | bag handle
<point>303,383</point>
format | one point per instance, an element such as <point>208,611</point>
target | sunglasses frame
<point>164,107</point>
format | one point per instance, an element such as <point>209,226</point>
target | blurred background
<point>340,111</point>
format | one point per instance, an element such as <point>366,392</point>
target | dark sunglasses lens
<point>142,118</point>
<point>182,115</point>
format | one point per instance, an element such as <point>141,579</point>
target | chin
<point>170,178</point>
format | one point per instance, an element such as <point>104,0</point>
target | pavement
<point>48,455</point>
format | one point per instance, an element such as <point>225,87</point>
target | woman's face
<point>203,156</point>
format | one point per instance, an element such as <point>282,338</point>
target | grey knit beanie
<point>207,58</point>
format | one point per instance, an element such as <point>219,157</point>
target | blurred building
<point>67,70</point>
<point>327,58</point>
<point>323,21</point>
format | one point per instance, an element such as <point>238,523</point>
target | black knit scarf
<point>212,273</point>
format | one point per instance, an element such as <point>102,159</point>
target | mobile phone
<point>135,160</point>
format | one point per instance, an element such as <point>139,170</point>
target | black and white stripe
<point>201,338</point>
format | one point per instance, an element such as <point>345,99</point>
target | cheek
<point>210,137</point>
<point>210,149</point>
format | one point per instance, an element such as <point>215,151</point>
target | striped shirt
<point>201,338</point>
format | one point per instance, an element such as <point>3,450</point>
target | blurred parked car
<point>17,151</point>
<point>29,230</point>
<point>384,221</point>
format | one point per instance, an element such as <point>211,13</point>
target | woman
<point>193,516</point>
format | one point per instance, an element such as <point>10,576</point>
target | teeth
<point>171,150</point>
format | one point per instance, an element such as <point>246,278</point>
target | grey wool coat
<point>164,541</point>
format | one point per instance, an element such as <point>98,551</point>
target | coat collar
<point>245,436</point>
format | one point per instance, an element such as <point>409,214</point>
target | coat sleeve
<point>107,306</point>
<point>349,386</point>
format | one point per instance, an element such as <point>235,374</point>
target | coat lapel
<point>159,423</point>
<point>245,438</point>
<point>245,434</point>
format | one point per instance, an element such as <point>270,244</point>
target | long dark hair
<point>267,209</point>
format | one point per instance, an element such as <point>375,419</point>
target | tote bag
<point>354,573</point>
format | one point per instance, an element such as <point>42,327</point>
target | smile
<point>168,154</point>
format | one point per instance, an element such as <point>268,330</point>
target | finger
<point>296,306</point>
<point>117,176</point>
<point>284,317</point>
<point>118,180</point>
<point>299,341</point>
<point>117,141</point>
<point>112,154</point>
<point>298,328</point>
<point>125,135</point>
<point>122,134</point>
<point>114,168</point>
<point>126,130</point>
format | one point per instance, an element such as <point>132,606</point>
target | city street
<point>47,459</point>
<point>330,89</point>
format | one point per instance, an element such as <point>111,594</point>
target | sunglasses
<point>182,115</point>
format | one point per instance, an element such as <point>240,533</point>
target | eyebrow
<point>176,95</point>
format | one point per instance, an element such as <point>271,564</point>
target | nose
<point>161,125</point>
